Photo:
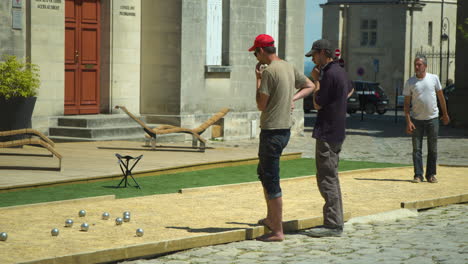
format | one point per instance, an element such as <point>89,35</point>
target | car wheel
<point>370,109</point>
<point>381,112</point>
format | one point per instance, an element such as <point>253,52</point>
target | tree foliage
<point>18,78</point>
<point>464,29</point>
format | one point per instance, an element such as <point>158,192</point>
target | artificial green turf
<point>171,183</point>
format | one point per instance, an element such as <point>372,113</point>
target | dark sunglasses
<point>257,50</point>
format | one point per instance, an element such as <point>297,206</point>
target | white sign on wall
<point>17,3</point>
<point>17,19</point>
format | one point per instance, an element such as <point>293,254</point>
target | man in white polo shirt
<point>421,92</point>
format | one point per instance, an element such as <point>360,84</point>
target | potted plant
<point>19,82</point>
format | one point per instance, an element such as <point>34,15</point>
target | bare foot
<point>265,222</point>
<point>271,237</point>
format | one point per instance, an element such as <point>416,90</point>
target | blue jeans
<point>272,143</point>
<point>430,128</point>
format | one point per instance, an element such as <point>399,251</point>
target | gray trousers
<point>431,129</point>
<point>327,159</point>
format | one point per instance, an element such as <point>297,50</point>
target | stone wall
<point>12,38</point>
<point>161,59</point>
<point>125,53</point>
<point>46,48</point>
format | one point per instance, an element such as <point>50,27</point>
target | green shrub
<point>464,32</point>
<point>17,78</point>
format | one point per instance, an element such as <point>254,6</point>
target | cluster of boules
<point>85,226</point>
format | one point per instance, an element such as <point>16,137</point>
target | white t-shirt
<point>423,96</point>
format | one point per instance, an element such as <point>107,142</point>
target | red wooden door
<point>82,42</point>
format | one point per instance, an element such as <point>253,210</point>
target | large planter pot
<point>16,113</point>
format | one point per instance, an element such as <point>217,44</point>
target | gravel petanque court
<point>197,216</point>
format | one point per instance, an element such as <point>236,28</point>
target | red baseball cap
<point>263,40</point>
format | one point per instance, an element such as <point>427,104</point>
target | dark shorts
<point>272,143</point>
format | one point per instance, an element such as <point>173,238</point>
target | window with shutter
<point>214,23</point>
<point>272,19</point>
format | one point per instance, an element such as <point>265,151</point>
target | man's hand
<point>445,119</point>
<point>258,70</point>
<point>315,73</point>
<point>410,127</point>
<point>443,106</point>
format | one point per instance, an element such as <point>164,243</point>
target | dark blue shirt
<point>332,97</point>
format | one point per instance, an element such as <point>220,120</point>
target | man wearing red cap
<point>275,96</point>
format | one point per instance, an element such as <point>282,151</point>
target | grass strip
<point>172,183</point>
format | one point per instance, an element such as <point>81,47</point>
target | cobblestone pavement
<point>439,235</point>
<point>377,138</point>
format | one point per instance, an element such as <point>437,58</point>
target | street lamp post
<point>441,33</point>
<point>445,36</point>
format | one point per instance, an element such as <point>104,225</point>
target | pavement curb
<point>430,203</point>
<point>389,216</point>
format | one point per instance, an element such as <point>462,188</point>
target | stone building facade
<point>379,39</point>
<point>174,62</point>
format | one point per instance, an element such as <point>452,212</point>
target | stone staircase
<point>102,128</point>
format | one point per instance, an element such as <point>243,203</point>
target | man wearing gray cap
<point>334,87</point>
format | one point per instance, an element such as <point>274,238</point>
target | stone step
<point>97,121</point>
<point>102,128</point>
<point>96,133</point>
<point>140,138</point>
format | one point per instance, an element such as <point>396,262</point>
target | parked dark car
<point>353,104</point>
<point>372,97</point>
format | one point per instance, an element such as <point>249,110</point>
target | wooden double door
<point>82,58</point>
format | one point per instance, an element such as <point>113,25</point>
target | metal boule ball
<point>84,227</point>
<point>82,213</point>
<point>3,236</point>
<point>126,218</point>
<point>68,223</point>
<point>140,232</point>
<point>54,232</point>
<point>118,221</point>
<point>105,216</point>
<point>126,213</point>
